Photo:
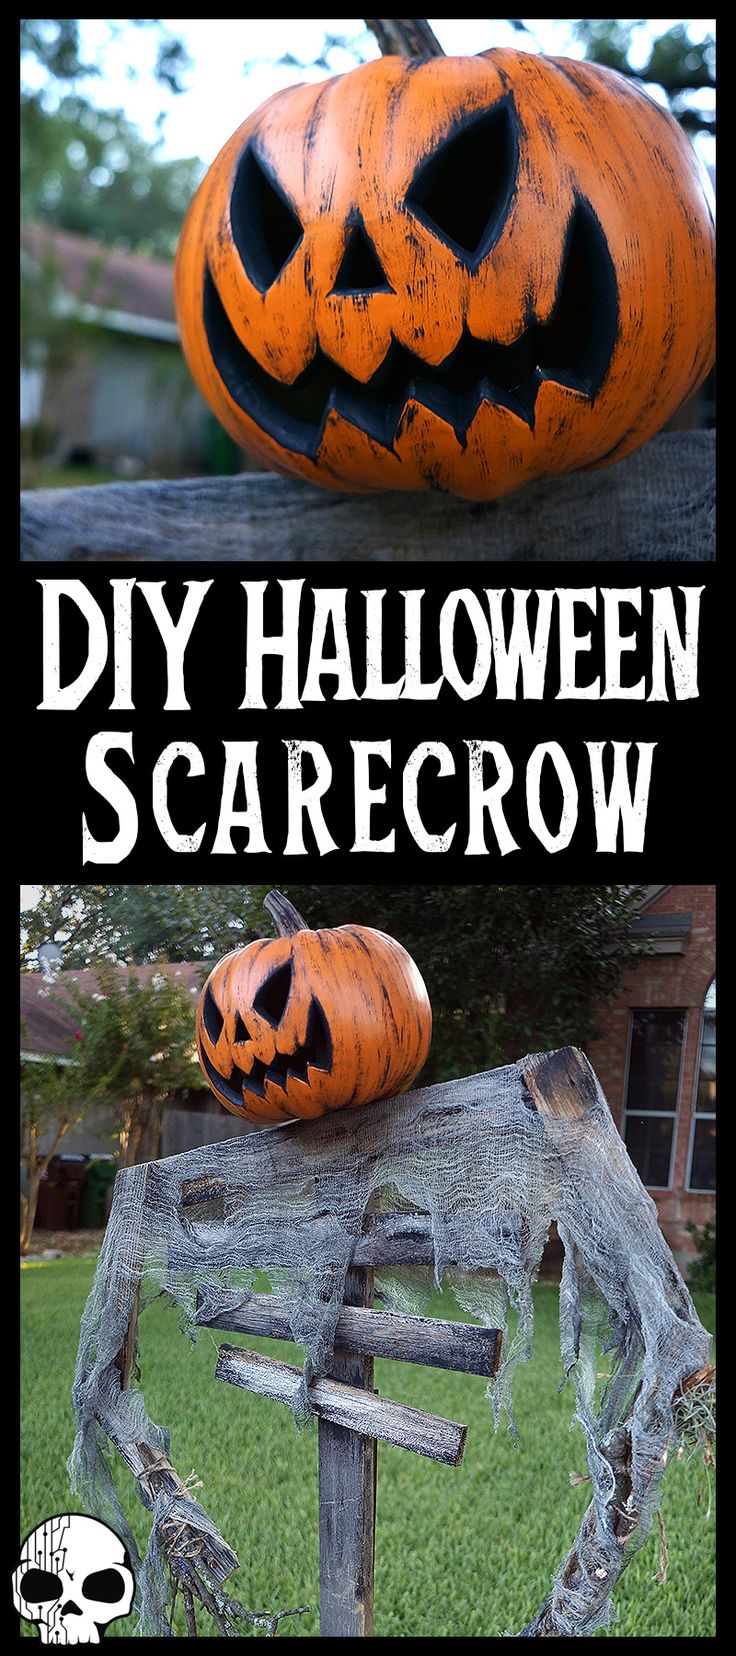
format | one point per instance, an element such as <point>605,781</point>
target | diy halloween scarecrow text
<point>457,787</point>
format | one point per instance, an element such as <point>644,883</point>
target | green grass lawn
<point>467,1551</point>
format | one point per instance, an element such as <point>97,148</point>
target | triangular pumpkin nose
<point>361,270</point>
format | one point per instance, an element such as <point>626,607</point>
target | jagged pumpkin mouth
<point>315,1053</point>
<point>573,349</point>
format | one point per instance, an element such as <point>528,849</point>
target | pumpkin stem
<point>285,917</point>
<point>404,37</point>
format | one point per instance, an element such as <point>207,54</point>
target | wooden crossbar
<point>361,1411</point>
<point>351,1416</point>
<point>406,1339</point>
<point>657,503</point>
<point>388,1238</point>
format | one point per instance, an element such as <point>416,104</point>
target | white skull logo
<point>73,1578</point>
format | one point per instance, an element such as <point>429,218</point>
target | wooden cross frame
<point>559,1088</point>
<point>352,1417</point>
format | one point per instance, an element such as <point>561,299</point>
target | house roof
<point>50,1017</point>
<point>121,290</point>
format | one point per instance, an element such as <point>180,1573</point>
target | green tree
<point>53,43</point>
<point>131,1051</point>
<point>136,924</point>
<point>509,969</point>
<point>51,1101</point>
<point>136,1050</point>
<point>90,172</point>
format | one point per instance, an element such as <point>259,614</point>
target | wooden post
<point>347,1500</point>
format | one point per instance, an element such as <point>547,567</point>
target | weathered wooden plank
<point>381,1231</point>
<point>347,1498</point>
<point>275,1248</point>
<point>361,1411</point>
<point>658,503</point>
<point>432,1341</point>
<point>561,1084</point>
<point>196,1192</point>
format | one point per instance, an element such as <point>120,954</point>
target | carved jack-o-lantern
<point>460,274</point>
<point>311,1021</point>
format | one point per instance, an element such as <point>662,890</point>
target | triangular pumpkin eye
<point>211,1016</point>
<point>273,995</point>
<point>360,270</point>
<point>265,228</point>
<point>463,190</point>
<point>241,1031</point>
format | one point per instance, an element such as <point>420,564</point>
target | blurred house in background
<point>192,1116</point>
<point>103,379</point>
<point>656,1057</point>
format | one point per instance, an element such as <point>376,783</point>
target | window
<point>702,1172</point>
<point>656,1043</point>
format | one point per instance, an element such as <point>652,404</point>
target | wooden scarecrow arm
<point>198,1562</point>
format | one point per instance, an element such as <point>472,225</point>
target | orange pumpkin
<point>462,274</point>
<point>311,1021</point>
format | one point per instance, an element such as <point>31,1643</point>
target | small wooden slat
<point>347,1498</point>
<point>432,1341</point>
<point>361,1411</point>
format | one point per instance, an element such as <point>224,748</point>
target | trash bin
<point>60,1192</point>
<point>95,1204</point>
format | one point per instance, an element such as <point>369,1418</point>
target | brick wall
<point>666,980</point>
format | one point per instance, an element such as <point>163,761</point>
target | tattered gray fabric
<point>493,1159</point>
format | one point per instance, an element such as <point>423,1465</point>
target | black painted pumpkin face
<point>295,1026</point>
<point>461,274</point>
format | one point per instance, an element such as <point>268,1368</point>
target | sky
<point>220,94</point>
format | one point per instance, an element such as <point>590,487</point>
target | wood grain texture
<point>395,1239</point>
<point>361,1411</point>
<point>657,504</point>
<point>347,1497</point>
<point>360,1330</point>
<point>561,1084</point>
